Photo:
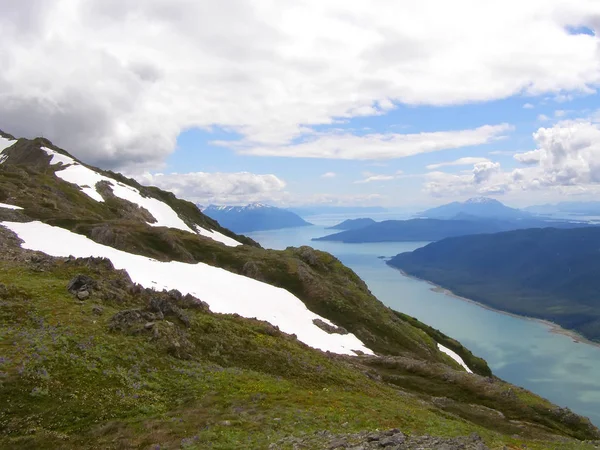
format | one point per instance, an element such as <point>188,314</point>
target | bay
<point>525,352</point>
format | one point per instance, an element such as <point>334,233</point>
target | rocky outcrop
<point>392,439</point>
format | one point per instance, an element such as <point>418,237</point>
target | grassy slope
<point>320,280</point>
<point>68,381</point>
<point>229,359</point>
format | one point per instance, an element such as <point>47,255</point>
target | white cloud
<point>370,177</point>
<point>567,159</point>
<point>376,178</point>
<point>117,81</point>
<point>543,118</point>
<point>222,188</point>
<point>329,175</point>
<point>468,161</point>
<point>560,113</point>
<point>378,146</point>
<point>528,158</point>
<point>528,106</point>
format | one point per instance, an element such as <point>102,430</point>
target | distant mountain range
<point>475,207</point>
<point>545,273</point>
<point>475,216</point>
<point>580,208</point>
<point>253,217</point>
<point>353,224</point>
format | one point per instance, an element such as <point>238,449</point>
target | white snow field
<point>165,216</point>
<point>220,237</point>
<point>454,356</point>
<point>224,291</point>
<point>7,206</point>
<point>4,144</point>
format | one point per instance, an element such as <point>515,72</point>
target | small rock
<point>149,325</point>
<point>81,283</point>
<point>372,437</point>
<point>226,423</point>
<point>338,443</point>
<point>396,439</point>
<point>82,295</point>
<point>98,310</point>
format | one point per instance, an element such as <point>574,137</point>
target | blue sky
<point>240,101</point>
<point>304,176</point>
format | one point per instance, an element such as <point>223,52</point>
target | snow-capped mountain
<point>253,217</point>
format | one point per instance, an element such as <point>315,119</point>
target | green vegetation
<point>129,367</point>
<point>548,273</point>
<point>68,381</point>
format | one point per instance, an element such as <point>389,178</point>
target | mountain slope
<point>478,207</point>
<point>353,224</point>
<point>101,351</point>
<point>546,273</point>
<point>254,217</point>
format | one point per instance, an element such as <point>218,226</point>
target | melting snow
<point>220,237</point>
<point>87,179</point>
<point>58,158</point>
<point>4,144</point>
<point>454,356</point>
<point>224,291</point>
<point>7,206</point>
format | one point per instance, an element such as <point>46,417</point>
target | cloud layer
<point>567,158</point>
<point>222,188</point>
<point>117,81</point>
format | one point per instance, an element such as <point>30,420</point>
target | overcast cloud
<point>117,81</point>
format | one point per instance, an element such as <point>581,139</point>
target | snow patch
<point>87,179</point>
<point>454,356</point>
<point>224,291</point>
<point>58,158</point>
<point>220,237</point>
<point>4,144</point>
<point>7,206</point>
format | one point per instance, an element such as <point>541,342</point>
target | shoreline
<point>552,327</point>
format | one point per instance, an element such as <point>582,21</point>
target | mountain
<point>254,217</point>
<point>324,209</point>
<point>476,207</point>
<point>130,319</point>
<point>353,224</point>
<point>548,273</point>
<point>419,230</point>
<point>581,208</point>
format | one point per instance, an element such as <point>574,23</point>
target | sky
<point>339,102</point>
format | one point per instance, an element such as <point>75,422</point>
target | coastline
<point>552,327</point>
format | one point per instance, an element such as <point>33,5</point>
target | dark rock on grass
<point>391,439</point>
<point>167,308</point>
<point>97,310</point>
<point>81,283</point>
<point>130,320</point>
<point>331,329</point>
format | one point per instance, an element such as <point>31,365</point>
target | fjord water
<point>524,352</point>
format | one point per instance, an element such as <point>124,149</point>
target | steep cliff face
<point>130,319</point>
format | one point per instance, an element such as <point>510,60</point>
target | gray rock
<point>82,295</point>
<point>81,283</point>
<point>338,443</point>
<point>393,440</point>
<point>97,310</point>
<point>331,329</point>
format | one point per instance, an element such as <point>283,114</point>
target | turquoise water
<point>523,352</point>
